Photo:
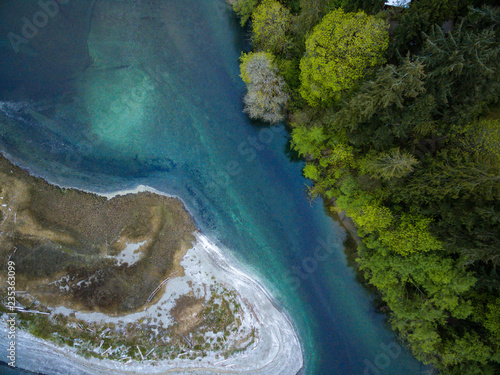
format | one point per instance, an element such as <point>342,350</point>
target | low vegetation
<point>64,242</point>
<point>208,330</point>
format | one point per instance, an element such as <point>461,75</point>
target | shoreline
<point>278,349</point>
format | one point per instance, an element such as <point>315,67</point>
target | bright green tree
<point>244,9</point>
<point>411,235</point>
<point>271,22</point>
<point>338,52</point>
<point>308,141</point>
<point>372,217</point>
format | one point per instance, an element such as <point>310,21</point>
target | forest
<point>395,110</point>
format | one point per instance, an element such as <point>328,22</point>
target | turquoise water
<point>111,94</point>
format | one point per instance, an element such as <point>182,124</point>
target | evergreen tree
<point>244,9</point>
<point>393,164</point>
<point>463,66</point>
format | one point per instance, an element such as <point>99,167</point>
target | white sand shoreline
<point>277,349</point>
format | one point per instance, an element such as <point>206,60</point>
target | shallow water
<point>118,93</point>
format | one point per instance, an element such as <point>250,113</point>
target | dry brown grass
<point>60,232</point>
<point>187,313</point>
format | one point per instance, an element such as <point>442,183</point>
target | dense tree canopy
<point>409,150</point>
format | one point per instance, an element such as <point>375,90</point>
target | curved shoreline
<point>277,349</point>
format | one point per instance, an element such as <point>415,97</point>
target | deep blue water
<point>109,95</point>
